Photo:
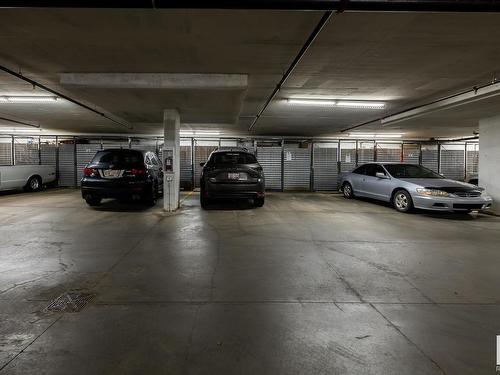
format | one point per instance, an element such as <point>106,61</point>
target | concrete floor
<point>308,284</point>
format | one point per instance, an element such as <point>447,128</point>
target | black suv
<point>232,173</point>
<point>122,174</point>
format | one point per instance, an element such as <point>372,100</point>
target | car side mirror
<point>381,175</point>
<point>202,164</point>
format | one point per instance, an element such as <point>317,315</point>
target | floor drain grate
<point>71,301</point>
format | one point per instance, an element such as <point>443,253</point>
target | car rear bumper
<point>452,204</point>
<point>119,191</point>
<point>234,190</point>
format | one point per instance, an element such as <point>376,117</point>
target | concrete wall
<point>489,158</point>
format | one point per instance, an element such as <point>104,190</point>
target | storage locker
<point>325,166</point>
<point>269,157</point>
<point>297,164</point>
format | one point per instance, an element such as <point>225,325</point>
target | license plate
<point>237,176</point>
<point>111,173</point>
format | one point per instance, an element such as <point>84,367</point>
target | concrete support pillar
<point>171,149</point>
<point>489,158</point>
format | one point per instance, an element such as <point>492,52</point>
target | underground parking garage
<point>274,187</point>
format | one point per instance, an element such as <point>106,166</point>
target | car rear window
<point>118,157</point>
<point>234,158</point>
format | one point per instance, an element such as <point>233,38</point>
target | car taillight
<point>91,172</point>
<point>137,171</point>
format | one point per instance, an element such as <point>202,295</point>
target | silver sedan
<point>409,186</point>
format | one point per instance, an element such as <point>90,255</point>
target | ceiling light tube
<point>361,104</point>
<point>28,99</point>
<point>312,102</point>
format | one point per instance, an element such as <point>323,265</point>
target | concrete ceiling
<point>401,58</point>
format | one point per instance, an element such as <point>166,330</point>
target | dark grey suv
<point>232,173</point>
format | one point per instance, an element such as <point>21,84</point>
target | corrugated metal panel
<point>430,157</point>
<point>325,166</point>
<point>453,161</point>
<point>66,164</point>
<point>48,154</point>
<point>388,152</point>
<point>202,151</point>
<point>186,167</point>
<point>269,158</point>
<point>347,156</point>
<point>26,151</point>
<point>297,163</point>
<point>115,144</point>
<point>5,151</point>
<point>84,154</point>
<point>472,156</point>
<point>411,153</point>
<point>366,152</point>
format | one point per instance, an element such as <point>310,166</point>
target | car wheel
<point>402,201</point>
<point>92,201</point>
<point>204,201</point>
<point>347,191</point>
<point>258,202</point>
<point>34,184</point>
<point>151,198</point>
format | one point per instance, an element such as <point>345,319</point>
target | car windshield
<point>410,171</point>
<point>117,157</point>
<point>234,158</point>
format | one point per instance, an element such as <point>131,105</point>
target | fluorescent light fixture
<point>361,104</point>
<point>364,104</point>
<point>19,130</point>
<point>194,133</point>
<point>28,99</point>
<point>372,135</point>
<point>312,102</point>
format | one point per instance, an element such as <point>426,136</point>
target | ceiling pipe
<point>464,97</point>
<point>298,5</point>
<point>18,122</point>
<point>322,22</point>
<point>61,95</point>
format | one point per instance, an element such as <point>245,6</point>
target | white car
<point>29,177</point>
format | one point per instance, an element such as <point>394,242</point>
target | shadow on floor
<point>457,216</point>
<point>114,205</point>
<point>230,204</point>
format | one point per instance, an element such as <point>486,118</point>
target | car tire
<point>92,201</point>
<point>347,191</point>
<point>204,201</point>
<point>151,198</point>
<point>34,184</point>
<point>258,202</point>
<point>402,202</point>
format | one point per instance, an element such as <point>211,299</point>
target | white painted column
<point>489,158</point>
<point>171,179</point>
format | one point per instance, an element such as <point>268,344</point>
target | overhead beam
<point>17,121</point>
<point>61,95</point>
<point>300,5</point>
<point>156,80</point>
<point>471,96</point>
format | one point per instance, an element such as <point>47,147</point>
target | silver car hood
<point>438,183</point>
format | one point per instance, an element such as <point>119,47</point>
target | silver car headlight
<point>432,192</point>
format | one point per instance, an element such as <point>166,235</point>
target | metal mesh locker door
<point>297,163</point>
<point>67,164</point>
<point>84,154</point>
<point>347,156</point>
<point>388,152</point>
<point>269,158</point>
<point>411,153</point>
<point>325,166</point>
<point>186,165</point>
<point>202,150</point>
<point>453,161</point>
<point>430,157</point>
<point>26,151</point>
<point>48,152</point>
<point>366,152</point>
<point>5,150</point>
<point>472,159</point>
